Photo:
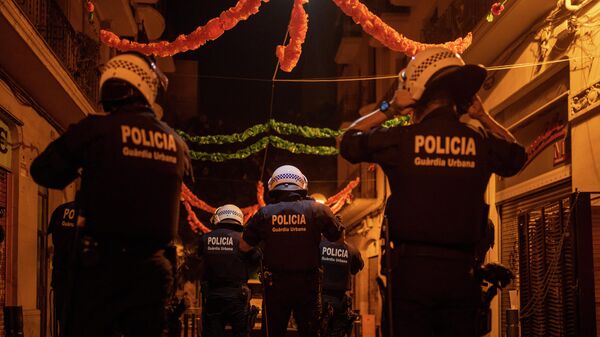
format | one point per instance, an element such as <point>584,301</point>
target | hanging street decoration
<point>281,128</point>
<point>398,121</point>
<point>335,202</point>
<point>260,145</point>
<point>388,36</point>
<point>289,55</point>
<point>89,6</point>
<point>211,31</point>
<point>278,142</point>
<point>495,10</point>
<point>275,141</point>
<point>272,125</point>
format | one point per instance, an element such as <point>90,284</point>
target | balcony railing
<point>77,52</point>
<point>458,19</point>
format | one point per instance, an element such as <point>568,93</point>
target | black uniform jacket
<point>339,261</point>
<point>438,171</point>
<point>63,227</point>
<point>224,264</point>
<point>291,230</point>
<point>132,166</point>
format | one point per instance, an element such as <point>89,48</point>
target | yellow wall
<point>29,140</point>
<point>583,72</point>
<point>585,137</point>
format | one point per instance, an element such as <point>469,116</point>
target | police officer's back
<point>290,228</point>
<point>438,170</point>
<point>63,229</point>
<point>226,270</point>
<point>340,260</point>
<point>65,237</point>
<point>132,166</point>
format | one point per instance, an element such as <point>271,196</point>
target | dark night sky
<point>248,50</point>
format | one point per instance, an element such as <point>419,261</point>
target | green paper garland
<point>278,127</point>
<point>261,145</point>
<point>402,120</point>
<point>280,143</point>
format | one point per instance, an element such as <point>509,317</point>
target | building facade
<point>48,80</point>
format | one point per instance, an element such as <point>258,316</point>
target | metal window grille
<point>77,52</point>
<point>547,241</point>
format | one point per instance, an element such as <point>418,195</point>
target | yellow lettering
<point>455,145</point>
<point>145,140</point>
<point>165,140</point>
<point>125,133</point>
<point>273,219</point>
<point>136,136</point>
<point>151,138</point>
<point>171,145</point>
<point>429,144</point>
<point>471,147</point>
<point>419,142</point>
<point>463,141</point>
<point>447,145</point>
<point>69,213</point>
<point>438,149</point>
<point>158,140</point>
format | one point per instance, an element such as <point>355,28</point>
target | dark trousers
<point>224,306</point>
<point>434,297</point>
<point>339,323</point>
<point>120,294</point>
<point>60,285</point>
<point>297,293</point>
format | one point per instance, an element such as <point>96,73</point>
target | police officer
<point>340,261</point>
<point>225,291</point>
<point>65,237</point>
<point>290,228</point>
<point>438,169</point>
<point>132,166</point>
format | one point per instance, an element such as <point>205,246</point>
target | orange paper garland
<point>195,224</point>
<point>388,36</point>
<point>211,31</point>
<point>336,202</point>
<point>288,55</point>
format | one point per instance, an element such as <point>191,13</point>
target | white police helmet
<point>288,178</point>
<point>228,213</point>
<point>437,65</point>
<point>136,70</point>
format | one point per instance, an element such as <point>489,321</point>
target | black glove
<point>496,274</point>
<point>253,256</point>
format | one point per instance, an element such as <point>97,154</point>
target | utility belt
<point>211,290</point>
<point>278,276</point>
<point>415,249</point>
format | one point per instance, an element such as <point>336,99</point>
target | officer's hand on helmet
<point>402,102</point>
<point>476,109</point>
